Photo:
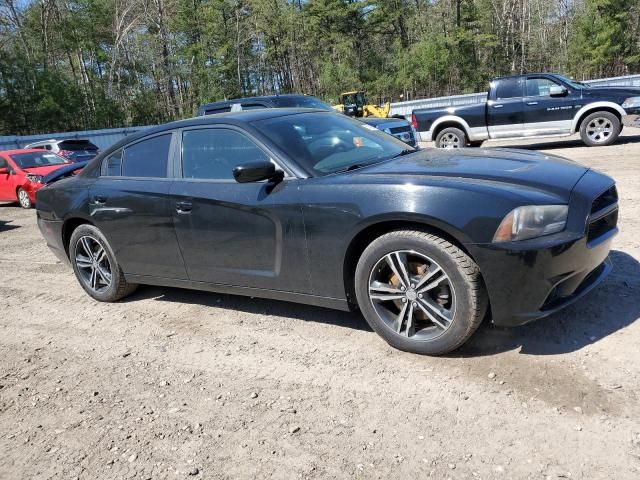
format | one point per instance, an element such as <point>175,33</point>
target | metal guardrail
<point>105,138</point>
<point>101,138</point>
<point>405,108</point>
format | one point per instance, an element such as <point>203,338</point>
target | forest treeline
<point>83,64</point>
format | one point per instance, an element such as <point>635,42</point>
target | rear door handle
<point>532,103</point>
<point>498,106</point>
<point>183,207</point>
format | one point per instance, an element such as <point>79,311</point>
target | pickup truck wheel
<point>419,292</point>
<point>451,138</point>
<point>600,129</point>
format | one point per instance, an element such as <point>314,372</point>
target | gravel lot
<point>179,384</point>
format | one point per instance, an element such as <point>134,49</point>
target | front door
<point>7,187</point>
<point>504,111</point>
<point>236,234</point>
<point>129,202</point>
<point>545,114</point>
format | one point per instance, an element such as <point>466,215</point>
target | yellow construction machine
<point>354,104</point>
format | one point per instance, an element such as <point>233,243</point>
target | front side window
<point>326,143</point>
<point>213,153</point>
<point>147,158</point>
<point>37,159</point>
<point>509,88</point>
<point>539,87</point>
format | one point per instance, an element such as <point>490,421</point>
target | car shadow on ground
<point>608,308</point>
<point>5,226</point>
<point>257,306</point>
<point>559,144</point>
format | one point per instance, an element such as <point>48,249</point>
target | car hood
<point>66,170</point>
<point>518,168</point>
<point>614,91</point>
<point>44,170</point>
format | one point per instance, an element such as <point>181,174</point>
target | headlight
<point>631,102</point>
<point>32,177</point>
<point>532,221</point>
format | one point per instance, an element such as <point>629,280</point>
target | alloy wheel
<point>412,295</point>
<point>23,198</point>
<point>599,129</point>
<point>450,140</point>
<point>93,264</point>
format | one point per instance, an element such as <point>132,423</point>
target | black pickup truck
<point>533,105</point>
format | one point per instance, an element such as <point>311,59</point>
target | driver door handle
<point>99,200</point>
<point>498,106</point>
<point>532,103</point>
<point>184,207</point>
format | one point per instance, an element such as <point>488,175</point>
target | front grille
<point>394,130</point>
<point>607,198</point>
<point>604,215</point>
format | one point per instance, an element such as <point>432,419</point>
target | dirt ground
<point>178,384</point>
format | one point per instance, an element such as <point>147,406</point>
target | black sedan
<point>317,208</point>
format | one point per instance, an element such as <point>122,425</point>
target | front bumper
<point>631,120</point>
<point>535,278</point>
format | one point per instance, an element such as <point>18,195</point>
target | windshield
<point>573,83</point>
<point>37,159</point>
<point>77,145</point>
<point>302,102</point>
<point>325,143</point>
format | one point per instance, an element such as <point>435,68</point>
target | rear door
<point>544,114</point>
<point>505,115</point>
<point>129,202</point>
<point>239,234</point>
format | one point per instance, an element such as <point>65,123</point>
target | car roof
<point>258,98</point>
<point>24,150</point>
<point>530,74</point>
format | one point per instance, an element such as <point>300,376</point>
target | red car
<point>22,172</point>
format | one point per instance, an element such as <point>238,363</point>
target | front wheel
<point>451,137</point>
<point>600,129</point>
<point>419,292</point>
<point>23,199</point>
<point>95,265</point>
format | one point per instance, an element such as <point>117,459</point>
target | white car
<point>75,150</point>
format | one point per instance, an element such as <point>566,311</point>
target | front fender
<point>592,107</point>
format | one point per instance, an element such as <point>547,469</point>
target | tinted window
<point>75,145</point>
<point>213,111</point>
<point>37,159</point>
<point>539,87</point>
<point>252,106</point>
<point>509,88</point>
<point>147,158</point>
<point>114,164</point>
<point>213,153</point>
<point>303,102</point>
<point>3,163</point>
<point>326,143</point>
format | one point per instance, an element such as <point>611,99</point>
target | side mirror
<point>557,91</point>
<point>256,171</point>
<point>4,171</point>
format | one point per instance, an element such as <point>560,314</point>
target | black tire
<point>600,129</point>
<point>118,287</point>
<point>468,292</point>
<point>451,137</point>
<point>23,199</point>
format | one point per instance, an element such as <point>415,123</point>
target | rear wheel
<point>451,137</point>
<point>418,291</point>
<point>95,265</point>
<point>600,129</point>
<point>23,199</point>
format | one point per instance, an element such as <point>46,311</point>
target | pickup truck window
<point>509,88</point>
<point>539,87</point>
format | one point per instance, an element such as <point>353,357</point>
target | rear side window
<point>213,153</point>
<point>213,111</point>
<point>147,158</point>
<point>509,88</point>
<point>77,145</point>
<point>113,167</point>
